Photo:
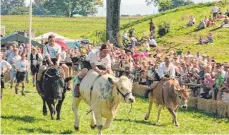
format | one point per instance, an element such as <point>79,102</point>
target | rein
<point>124,97</point>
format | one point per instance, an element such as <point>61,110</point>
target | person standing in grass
<point>215,11</point>
<point>35,63</point>
<point>12,61</point>
<point>4,67</point>
<point>21,66</point>
<point>218,84</point>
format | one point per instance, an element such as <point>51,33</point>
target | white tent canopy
<point>46,35</point>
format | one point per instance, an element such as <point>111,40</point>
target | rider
<point>100,62</point>
<point>51,53</point>
<point>166,71</point>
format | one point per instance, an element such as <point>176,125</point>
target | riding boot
<point>34,82</point>
<point>77,87</point>
<point>147,93</point>
<point>16,90</point>
<point>23,91</point>
<point>77,91</point>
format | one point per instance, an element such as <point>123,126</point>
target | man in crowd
<point>21,67</point>
<point>35,63</point>
<point>4,68</point>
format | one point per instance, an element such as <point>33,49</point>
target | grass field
<point>69,27</point>
<point>23,115</point>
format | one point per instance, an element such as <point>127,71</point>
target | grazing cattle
<point>169,94</point>
<point>54,88</point>
<point>103,94</point>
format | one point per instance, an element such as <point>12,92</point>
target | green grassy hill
<point>186,38</point>
<point>178,38</point>
<point>69,27</point>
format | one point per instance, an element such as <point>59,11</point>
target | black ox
<point>54,87</point>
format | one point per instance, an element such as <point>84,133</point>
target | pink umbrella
<point>136,55</point>
<point>62,44</point>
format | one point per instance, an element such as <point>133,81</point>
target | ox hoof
<point>76,128</point>
<point>58,118</point>
<point>93,127</point>
<point>45,113</point>
<point>146,117</point>
<point>176,124</point>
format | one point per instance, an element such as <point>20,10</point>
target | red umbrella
<point>62,44</point>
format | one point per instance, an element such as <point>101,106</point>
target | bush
<point>163,29</point>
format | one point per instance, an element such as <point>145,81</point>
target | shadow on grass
<point>66,132</point>
<point>25,118</point>
<point>143,122</point>
<point>30,91</point>
<point>39,130</point>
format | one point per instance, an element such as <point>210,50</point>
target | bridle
<point>123,95</point>
<point>52,76</point>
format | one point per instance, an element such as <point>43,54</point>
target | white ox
<point>104,99</point>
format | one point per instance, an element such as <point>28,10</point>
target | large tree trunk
<point>113,21</point>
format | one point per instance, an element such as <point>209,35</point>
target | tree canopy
<point>52,7</point>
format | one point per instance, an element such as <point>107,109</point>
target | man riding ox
<point>167,92</point>
<point>51,81</point>
<point>100,90</point>
<point>166,70</point>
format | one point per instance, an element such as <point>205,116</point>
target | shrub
<point>163,29</point>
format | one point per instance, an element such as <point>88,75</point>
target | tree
<point>13,7</point>
<point>71,7</point>
<point>169,4</point>
<point>38,8</point>
<point>113,21</point>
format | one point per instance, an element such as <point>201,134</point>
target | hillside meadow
<point>69,27</point>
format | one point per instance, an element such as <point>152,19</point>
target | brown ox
<point>168,93</point>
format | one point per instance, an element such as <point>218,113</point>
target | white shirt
<point>163,70</point>
<point>34,60</point>
<point>63,56</point>
<point>14,59</point>
<point>51,51</point>
<point>88,56</point>
<point>152,42</point>
<point>215,9</point>
<point>4,64</point>
<point>95,58</point>
<point>21,66</point>
<point>124,36</point>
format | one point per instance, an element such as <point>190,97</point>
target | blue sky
<point>133,7</point>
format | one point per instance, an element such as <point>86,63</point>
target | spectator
<point>218,83</point>
<point>21,67</point>
<point>215,11</point>
<point>152,42</point>
<point>192,21</point>
<point>208,40</point>
<point>225,23</point>
<point>35,63</point>
<point>4,67</point>
<point>12,61</point>
<point>227,13</point>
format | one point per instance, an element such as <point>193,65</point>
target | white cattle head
<point>124,88</point>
